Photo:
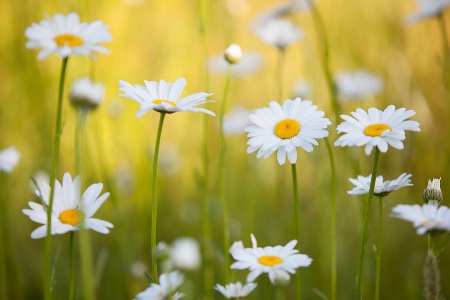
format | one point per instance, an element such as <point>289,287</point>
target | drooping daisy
<point>382,188</point>
<point>358,85</point>
<point>376,128</point>
<point>86,94</point>
<point>163,97</point>
<point>297,123</point>
<point>168,284</point>
<point>9,158</point>
<point>425,218</point>
<point>70,211</point>
<point>249,63</point>
<point>427,9</point>
<point>235,290</point>
<point>272,260</point>
<point>65,36</point>
<point>278,32</point>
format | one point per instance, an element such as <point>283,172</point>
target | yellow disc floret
<point>71,216</point>
<point>68,40</point>
<point>158,101</point>
<point>376,129</point>
<point>270,260</point>
<point>287,128</point>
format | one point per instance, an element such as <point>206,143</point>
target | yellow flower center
<point>68,39</point>
<point>376,129</point>
<point>71,216</point>
<point>287,128</point>
<point>158,101</point>
<point>426,223</point>
<point>270,260</point>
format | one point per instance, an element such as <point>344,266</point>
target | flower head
<point>70,212</point>
<point>168,284</point>
<point>163,97</point>
<point>233,53</point>
<point>382,188</point>
<point>86,94</point>
<point>425,218</point>
<point>278,32</point>
<point>376,128</point>
<point>185,254</point>
<point>9,158</point>
<point>283,128</point>
<point>249,63</point>
<point>236,121</point>
<point>427,9</point>
<point>433,194</point>
<point>235,290</point>
<point>65,36</point>
<point>358,85</point>
<point>272,260</point>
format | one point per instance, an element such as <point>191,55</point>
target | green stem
<point>154,196</point>
<point>366,231</point>
<point>71,266</point>
<point>226,232</point>
<point>296,224</point>
<point>279,74</point>
<point>446,50</point>
<point>333,222</point>
<point>48,284</point>
<point>379,249</point>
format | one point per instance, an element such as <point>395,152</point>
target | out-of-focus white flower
<point>278,32</point>
<point>86,94</point>
<point>138,269</point>
<point>236,121</point>
<point>382,188</point>
<point>238,245</point>
<point>185,254</point>
<point>40,177</point>
<point>358,85</point>
<point>301,88</point>
<point>166,289</point>
<point>235,290</point>
<point>427,9</point>
<point>425,218</point>
<point>249,63</point>
<point>9,158</point>
<point>233,53</point>
<point>280,10</point>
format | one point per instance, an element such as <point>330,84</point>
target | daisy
<point>425,218</point>
<point>185,254</point>
<point>275,261</point>
<point>86,94</point>
<point>163,97</point>
<point>235,290</point>
<point>427,9</point>
<point>236,121</point>
<point>433,194</point>
<point>70,211</point>
<point>382,188</point>
<point>9,158</point>
<point>376,128</point>
<point>297,123</point>
<point>65,36</point>
<point>168,284</point>
<point>249,63</point>
<point>278,32</point>
<point>358,85</point>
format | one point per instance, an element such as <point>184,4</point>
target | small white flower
<point>427,9</point>
<point>249,63</point>
<point>70,211</point>
<point>382,188</point>
<point>168,284</point>
<point>278,32</point>
<point>185,254</point>
<point>236,121</point>
<point>238,245</point>
<point>301,88</point>
<point>358,85</point>
<point>425,218</point>
<point>163,97</point>
<point>271,260</point>
<point>138,268</point>
<point>9,158</point>
<point>235,290</point>
<point>86,94</point>
<point>233,53</point>
<point>376,128</point>
<point>297,123</point>
<point>65,36</point>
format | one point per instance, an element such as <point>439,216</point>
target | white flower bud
<point>233,53</point>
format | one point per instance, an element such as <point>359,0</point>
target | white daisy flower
<point>185,254</point>
<point>301,88</point>
<point>425,218</point>
<point>168,284</point>
<point>236,121</point>
<point>427,9</point>
<point>297,123</point>
<point>9,158</point>
<point>272,260</point>
<point>376,128</point>
<point>358,85</point>
<point>235,290</point>
<point>86,94</point>
<point>163,97</point>
<point>65,36</point>
<point>249,63</point>
<point>278,32</point>
<point>70,211</point>
<point>382,188</point>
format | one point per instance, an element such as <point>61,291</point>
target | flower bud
<point>433,194</point>
<point>86,94</point>
<point>233,53</point>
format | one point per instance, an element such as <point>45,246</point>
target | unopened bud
<point>233,53</point>
<point>433,194</point>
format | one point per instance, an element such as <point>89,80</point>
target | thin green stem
<point>446,50</point>
<point>71,266</point>
<point>296,224</point>
<point>279,74</point>
<point>154,196</point>
<point>333,222</point>
<point>48,284</point>
<point>366,230</point>
<point>379,249</point>
<point>223,200</point>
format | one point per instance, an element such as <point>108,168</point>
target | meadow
<point>166,40</point>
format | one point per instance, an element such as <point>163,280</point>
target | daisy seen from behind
<point>65,35</point>
<point>71,210</point>
<point>168,284</point>
<point>275,261</point>
<point>284,128</point>
<point>235,290</point>
<point>376,128</point>
<point>164,97</point>
<point>382,188</point>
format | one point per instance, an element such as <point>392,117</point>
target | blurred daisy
<point>235,290</point>
<point>301,88</point>
<point>376,128</point>
<point>168,284</point>
<point>70,211</point>
<point>358,85</point>
<point>163,97</point>
<point>425,218</point>
<point>382,188</point>
<point>427,9</point>
<point>237,245</point>
<point>185,254</point>
<point>236,121</point>
<point>433,194</point>
<point>271,260</point>
<point>297,123</point>
<point>249,63</point>
<point>65,36</point>
<point>9,158</point>
<point>278,32</point>
<point>86,94</point>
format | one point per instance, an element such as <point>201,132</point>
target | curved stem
<point>154,197</point>
<point>379,249</point>
<point>71,266</point>
<point>366,231</point>
<point>48,285</point>
<point>296,224</point>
